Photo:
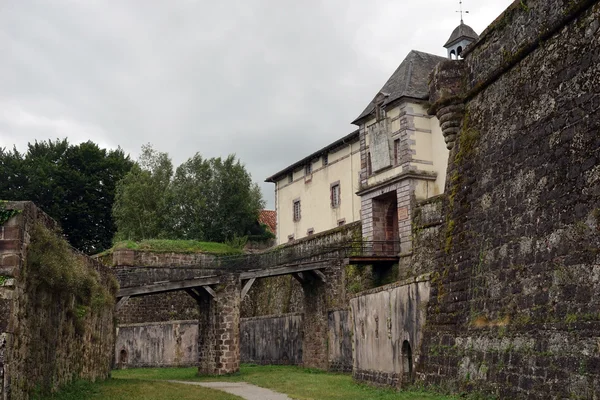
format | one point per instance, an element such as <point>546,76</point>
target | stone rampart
<point>56,323</point>
<point>515,296</point>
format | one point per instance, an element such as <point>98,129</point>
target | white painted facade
<point>314,191</point>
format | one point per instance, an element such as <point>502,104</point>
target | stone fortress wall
<point>515,297</point>
<point>49,336</point>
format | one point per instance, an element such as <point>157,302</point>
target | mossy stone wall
<point>57,322</point>
<point>514,308</point>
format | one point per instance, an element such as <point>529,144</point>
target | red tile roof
<point>269,218</point>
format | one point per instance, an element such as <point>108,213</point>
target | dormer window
<point>379,100</point>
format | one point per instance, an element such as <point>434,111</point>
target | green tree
<point>74,184</point>
<point>142,198</point>
<point>213,199</point>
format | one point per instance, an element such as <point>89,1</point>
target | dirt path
<point>242,389</point>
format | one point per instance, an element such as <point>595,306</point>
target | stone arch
<point>407,362</point>
<point>459,51</point>
<point>453,55</point>
<point>123,358</point>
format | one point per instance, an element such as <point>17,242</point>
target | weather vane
<point>461,12</point>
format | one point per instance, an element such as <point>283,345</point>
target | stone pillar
<point>219,328</point>
<point>319,297</point>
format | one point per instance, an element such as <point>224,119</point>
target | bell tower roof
<point>461,32</point>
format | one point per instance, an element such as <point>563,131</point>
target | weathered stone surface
<point>43,343</point>
<point>386,319</point>
<point>272,339</point>
<point>159,344</point>
<point>514,308</point>
<point>340,341</point>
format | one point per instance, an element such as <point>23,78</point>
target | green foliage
<point>237,242</point>
<point>177,246</point>
<point>52,263</point>
<point>3,279</point>
<point>6,214</point>
<point>260,233</point>
<point>74,184</point>
<point>206,199</point>
<point>141,204</point>
<point>214,199</point>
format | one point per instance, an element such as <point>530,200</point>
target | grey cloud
<point>271,81</point>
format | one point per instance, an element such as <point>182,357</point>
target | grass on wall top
<point>177,246</point>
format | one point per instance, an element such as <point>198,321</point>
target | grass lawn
<point>298,383</point>
<point>133,389</point>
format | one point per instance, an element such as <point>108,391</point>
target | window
<point>396,151</point>
<point>296,210</point>
<point>335,195</point>
<point>369,165</point>
<point>325,159</point>
<point>310,231</point>
<point>341,221</point>
<point>379,113</point>
<point>308,169</point>
<point>291,177</point>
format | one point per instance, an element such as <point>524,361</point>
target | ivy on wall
<point>6,214</point>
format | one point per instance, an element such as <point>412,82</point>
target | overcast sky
<point>269,80</point>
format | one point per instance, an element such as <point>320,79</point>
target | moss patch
<point>53,264</point>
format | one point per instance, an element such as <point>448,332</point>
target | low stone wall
<point>387,331</point>
<point>50,333</point>
<point>161,344</point>
<point>272,339</point>
<point>340,341</point>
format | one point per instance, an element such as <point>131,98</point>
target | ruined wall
<point>272,340</point>
<point>52,330</point>
<point>339,341</point>
<point>383,319</point>
<point>515,300</point>
<point>161,344</point>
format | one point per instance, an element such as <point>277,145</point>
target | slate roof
<point>409,80</point>
<point>461,31</point>
<point>269,218</point>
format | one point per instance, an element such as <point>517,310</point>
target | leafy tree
<point>214,199</point>
<point>207,199</point>
<point>141,204</point>
<point>74,184</point>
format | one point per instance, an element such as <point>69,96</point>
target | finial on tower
<point>461,37</point>
<point>461,12</point>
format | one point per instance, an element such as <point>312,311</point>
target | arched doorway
<point>391,228</point>
<point>123,358</point>
<point>407,362</point>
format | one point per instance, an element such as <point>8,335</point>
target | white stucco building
<point>397,157</point>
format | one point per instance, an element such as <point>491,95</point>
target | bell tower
<point>460,38</point>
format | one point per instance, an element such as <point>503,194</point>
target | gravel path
<point>242,389</point>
